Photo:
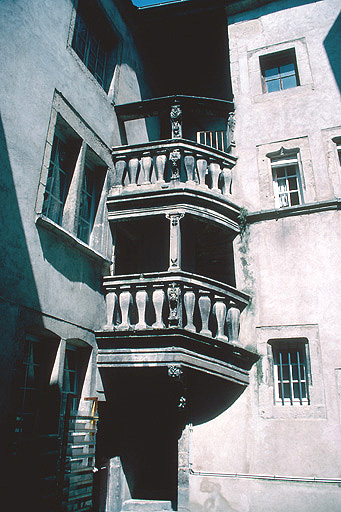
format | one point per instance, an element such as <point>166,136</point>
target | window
<point>94,42</point>
<point>74,182</point>
<point>29,388</point>
<point>337,141</point>
<point>290,371</point>
<point>279,71</point>
<point>286,179</point>
<point>214,139</point>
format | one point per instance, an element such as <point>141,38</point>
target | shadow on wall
<point>332,44</point>
<point>19,310</point>
<point>70,262</point>
<point>215,501</point>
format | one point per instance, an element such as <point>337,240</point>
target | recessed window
<point>74,183</point>
<point>94,42</point>
<point>286,181</point>
<point>337,142</point>
<point>290,372</point>
<point>279,71</point>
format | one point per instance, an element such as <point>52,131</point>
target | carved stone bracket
<point>176,121</point>
<point>182,402</point>
<point>174,371</point>
<point>175,160</point>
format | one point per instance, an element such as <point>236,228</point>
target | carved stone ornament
<point>231,123</point>
<point>174,371</point>
<point>182,402</point>
<point>175,160</point>
<point>176,121</point>
<point>174,301</point>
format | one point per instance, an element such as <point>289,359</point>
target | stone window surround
<point>265,151</point>
<point>267,406</point>
<point>119,49</point>
<point>100,240</point>
<point>331,139</point>
<point>303,67</point>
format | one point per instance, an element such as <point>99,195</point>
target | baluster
<point>219,310</point>
<point>226,175</point>
<point>120,166</point>
<point>160,164</point>
<point>141,304</point>
<point>133,166</point>
<point>232,320</point>
<point>189,162</point>
<point>125,301</point>
<point>158,300</point>
<point>201,168</point>
<point>189,303</point>
<point>110,300</point>
<point>146,165</point>
<point>205,310</point>
<point>214,171</point>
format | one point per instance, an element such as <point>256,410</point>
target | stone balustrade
<point>169,300</point>
<point>172,162</point>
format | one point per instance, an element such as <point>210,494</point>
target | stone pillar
<point>174,240</point>
<point>183,470</point>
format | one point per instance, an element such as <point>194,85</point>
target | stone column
<point>183,470</point>
<point>174,240</point>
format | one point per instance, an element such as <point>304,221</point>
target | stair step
<point>146,506</point>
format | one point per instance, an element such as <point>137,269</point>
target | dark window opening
<point>94,42</point>
<point>279,71</point>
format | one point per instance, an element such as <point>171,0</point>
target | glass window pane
<point>280,173</point>
<point>273,85</point>
<point>288,82</point>
<point>294,198</point>
<point>271,73</point>
<point>287,69</point>
<point>292,183</point>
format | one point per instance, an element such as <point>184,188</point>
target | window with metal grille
<point>286,182</point>
<point>279,71</point>
<point>94,42</point>
<point>291,372</point>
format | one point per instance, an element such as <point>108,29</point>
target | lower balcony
<point>174,318</point>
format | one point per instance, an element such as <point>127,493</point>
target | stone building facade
<point>170,259</point>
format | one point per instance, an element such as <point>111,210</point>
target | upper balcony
<point>193,150</point>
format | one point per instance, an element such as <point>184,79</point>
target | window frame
<point>292,381</point>
<point>278,60</point>
<point>100,29</point>
<point>281,161</point>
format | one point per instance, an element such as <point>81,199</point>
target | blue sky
<point>141,3</point>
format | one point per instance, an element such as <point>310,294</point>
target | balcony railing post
<point>226,175</point>
<point>205,311</point>
<point>174,240</point>
<point>175,307</point>
<point>160,165</point>
<point>202,169</point>
<point>189,162</point>
<point>214,172</point>
<point>146,165</point>
<point>219,310</point>
<point>158,298</point>
<point>189,303</point>
<point>141,299</point>
<point>120,167</point>
<point>125,303</point>
<point>110,300</point>
<point>232,320</point>
<point>133,166</point>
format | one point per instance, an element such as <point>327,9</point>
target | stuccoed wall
<point>43,277</point>
<point>290,267</point>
